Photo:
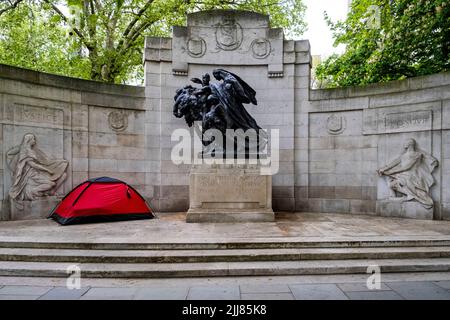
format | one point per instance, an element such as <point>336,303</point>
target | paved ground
<point>173,228</point>
<point>428,286</point>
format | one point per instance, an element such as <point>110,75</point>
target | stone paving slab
<point>162,293</point>
<point>351,287</point>
<point>443,284</point>
<point>110,294</point>
<point>267,296</point>
<point>24,290</point>
<point>221,281</point>
<point>288,226</point>
<point>317,292</point>
<point>214,293</point>
<point>62,293</point>
<point>18,297</point>
<point>420,290</point>
<point>268,288</point>
<point>373,295</point>
<point>409,290</point>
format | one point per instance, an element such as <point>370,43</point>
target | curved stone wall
<point>81,129</point>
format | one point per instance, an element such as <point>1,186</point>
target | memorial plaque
<point>34,115</point>
<point>222,193</point>
<point>408,121</point>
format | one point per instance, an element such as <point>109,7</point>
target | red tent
<point>100,200</point>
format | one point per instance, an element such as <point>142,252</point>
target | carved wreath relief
<point>34,174</point>
<point>196,47</point>
<point>118,121</point>
<point>261,48</point>
<point>410,175</point>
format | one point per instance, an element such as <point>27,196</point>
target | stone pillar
<point>167,182</point>
<point>302,80</point>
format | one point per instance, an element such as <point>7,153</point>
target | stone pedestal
<point>36,209</point>
<point>229,193</point>
<point>403,209</point>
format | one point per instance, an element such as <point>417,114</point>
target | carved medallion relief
<point>118,121</point>
<point>235,38</point>
<point>336,124</point>
<point>196,47</point>
<point>260,48</point>
<point>229,35</point>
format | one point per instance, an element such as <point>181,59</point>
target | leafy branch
<point>12,5</point>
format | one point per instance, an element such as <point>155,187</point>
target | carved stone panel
<point>118,121</point>
<point>408,121</point>
<point>29,115</point>
<point>229,34</point>
<point>409,176</point>
<point>34,174</point>
<point>336,124</point>
<point>348,123</point>
<point>261,48</point>
<point>226,38</point>
<point>222,193</point>
<point>407,118</point>
<point>196,47</point>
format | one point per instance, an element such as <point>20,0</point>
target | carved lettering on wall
<point>336,124</point>
<point>229,35</point>
<point>22,113</point>
<point>34,174</point>
<point>408,121</point>
<point>118,121</point>
<point>196,47</point>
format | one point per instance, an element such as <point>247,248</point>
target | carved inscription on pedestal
<point>231,188</point>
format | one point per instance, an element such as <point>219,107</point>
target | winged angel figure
<point>220,106</point>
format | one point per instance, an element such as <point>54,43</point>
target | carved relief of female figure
<point>34,174</point>
<point>410,174</point>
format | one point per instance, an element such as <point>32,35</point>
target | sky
<point>318,33</point>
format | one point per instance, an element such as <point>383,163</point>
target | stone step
<point>221,269</point>
<point>219,255</point>
<point>254,243</point>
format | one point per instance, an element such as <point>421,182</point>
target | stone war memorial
<point>246,169</point>
<point>228,129</point>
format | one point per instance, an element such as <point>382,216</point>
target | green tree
<point>7,5</point>
<point>33,39</point>
<point>103,39</point>
<point>389,40</point>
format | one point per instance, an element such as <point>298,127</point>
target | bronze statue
<point>219,105</point>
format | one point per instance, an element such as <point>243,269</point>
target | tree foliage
<point>388,40</point>
<point>103,39</point>
<point>33,39</point>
